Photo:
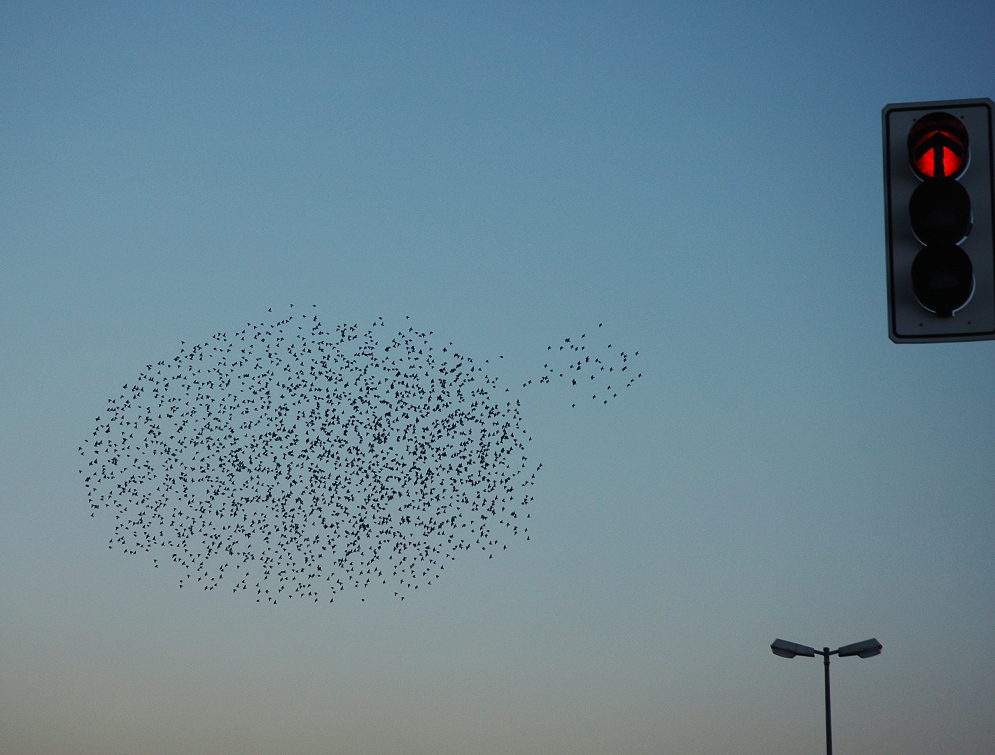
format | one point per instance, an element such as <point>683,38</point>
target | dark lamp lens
<point>942,278</point>
<point>940,210</point>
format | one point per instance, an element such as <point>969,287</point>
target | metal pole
<point>829,724</point>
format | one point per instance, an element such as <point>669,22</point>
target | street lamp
<point>866,649</point>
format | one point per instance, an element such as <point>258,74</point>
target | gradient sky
<point>704,178</point>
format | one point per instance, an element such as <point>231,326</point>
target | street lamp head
<point>787,649</point>
<point>866,649</point>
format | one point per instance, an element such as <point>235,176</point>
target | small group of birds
<point>295,462</point>
<point>588,364</point>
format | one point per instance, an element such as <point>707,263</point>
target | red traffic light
<point>940,220</point>
<point>938,146</point>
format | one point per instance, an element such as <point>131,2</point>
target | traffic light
<point>939,182</point>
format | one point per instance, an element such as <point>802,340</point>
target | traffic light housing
<point>939,183</point>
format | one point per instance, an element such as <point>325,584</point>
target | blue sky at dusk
<point>705,180</point>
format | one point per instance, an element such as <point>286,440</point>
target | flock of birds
<point>294,461</point>
<point>595,371</point>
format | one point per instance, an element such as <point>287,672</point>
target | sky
<point>703,180</point>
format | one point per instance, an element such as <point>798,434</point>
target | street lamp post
<point>866,649</point>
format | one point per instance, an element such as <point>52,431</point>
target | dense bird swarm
<point>296,462</point>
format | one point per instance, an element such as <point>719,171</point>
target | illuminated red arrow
<point>938,146</point>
